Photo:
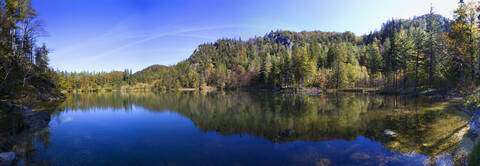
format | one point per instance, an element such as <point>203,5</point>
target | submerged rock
<point>467,136</point>
<point>360,156</point>
<point>475,123</point>
<point>34,119</point>
<point>390,133</point>
<point>7,158</point>
<point>323,162</point>
<point>438,96</point>
<point>31,122</point>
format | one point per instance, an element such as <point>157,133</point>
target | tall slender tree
<point>432,31</point>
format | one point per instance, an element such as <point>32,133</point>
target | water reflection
<point>370,129</point>
<point>10,123</point>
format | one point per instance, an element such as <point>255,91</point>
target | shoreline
<point>38,120</point>
<point>31,122</point>
<point>408,91</point>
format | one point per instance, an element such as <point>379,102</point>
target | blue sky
<point>107,35</point>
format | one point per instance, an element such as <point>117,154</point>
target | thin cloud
<point>197,36</point>
<point>160,35</point>
<point>115,32</point>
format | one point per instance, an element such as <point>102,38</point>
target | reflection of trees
<point>28,144</point>
<point>20,135</point>
<point>429,127</point>
<point>10,123</point>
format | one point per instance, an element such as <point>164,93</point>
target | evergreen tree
<point>266,68</point>
<point>419,38</point>
<point>460,42</point>
<point>432,31</point>
<point>374,59</point>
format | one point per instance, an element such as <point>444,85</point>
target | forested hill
<point>286,58</point>
<point>441,24</point>
<point>403,54</point>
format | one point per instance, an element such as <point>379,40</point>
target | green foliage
<point>472,100</point>
<point>426,51</point>
<point>374,59</point>
<point>463,46</point>
<point>24,71</point>
<point>475,156</point>
<point>426,126</point>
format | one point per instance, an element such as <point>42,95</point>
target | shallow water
<point>242,128</point>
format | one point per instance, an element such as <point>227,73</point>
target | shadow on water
<point>10,123</point>
<point>404,126</point>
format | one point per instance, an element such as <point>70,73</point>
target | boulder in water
<point>7,158</point>
<point>390,133</point>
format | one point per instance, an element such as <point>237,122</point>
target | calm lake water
<point>242,128</point>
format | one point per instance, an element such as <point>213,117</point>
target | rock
<point>34,119</point>
<point>438,96</point>
<point>285,133</point>
<point>461,153</point>
<point>390,133</point>
<point>359,156</point>
<point>475,123</point>
<point>443,159</point>
<point>7,158</point>
<point>323,162</point>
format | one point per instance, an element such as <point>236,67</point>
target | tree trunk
<point>478,66</point>
<point>430,66</point>
<point>395,79</point>
<point>472,71</point>
<point>338,75</point>
<point>404,78</point>
<point>416,74</point>
<point>461,75</point>
<point>404,71</point>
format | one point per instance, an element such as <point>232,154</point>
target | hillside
<point>327,60</point>
<point>25,76</point>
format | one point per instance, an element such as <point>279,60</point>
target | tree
<point>41,58</point>
<point>419,36</point>
<point>302,64</point>
<point>266,68</point>
<point>394,54</point>
<point>24,68</point>
<point>461,45</point>
<point>431,30</point>
<point>374,59</point>
<point>338,58</point>
<point>286,69</point>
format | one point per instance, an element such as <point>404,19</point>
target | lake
<point>245,128</point>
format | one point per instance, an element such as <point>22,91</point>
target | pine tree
<point>301,64</point>
<point>432,31</point>
<point>406,51</point>
<point>266,68</point>
<point>459,39</point>
<point>374,59</point>
<point>419,37</point>
<point>394,54</point>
